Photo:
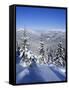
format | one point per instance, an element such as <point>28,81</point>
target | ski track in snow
<point>62,77</point>
<point>37,73</point>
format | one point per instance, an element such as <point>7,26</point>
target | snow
<point>24,64</point>
<point>38,73</point>
<point>21,54</point>
<point>22,74</point>
<point>33,71</point>
<point>62,70</point>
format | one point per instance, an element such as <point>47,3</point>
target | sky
<point>38,19</point>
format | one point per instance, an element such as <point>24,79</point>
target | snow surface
<point>38,73</point>
<point>33,72</point>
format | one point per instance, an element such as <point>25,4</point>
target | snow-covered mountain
<point>33,66</point>
<point>51,39</point>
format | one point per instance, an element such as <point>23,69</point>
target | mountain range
<point>51,39</point>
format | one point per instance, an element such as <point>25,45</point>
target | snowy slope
<point>38,73</point>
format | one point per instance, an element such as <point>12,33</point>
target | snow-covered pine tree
<point>50,55</point>
<point>60,55</point>
<point>17,49</point>
<point>25,45</point>
<point>16,45</point>
<point>41,51</point>
<point>17,52</point>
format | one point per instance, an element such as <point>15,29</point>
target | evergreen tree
<point>60,55</point>
<point>42,52</point>
<point>25,46</point>
<point>17,49</point>
<point>50,55</point>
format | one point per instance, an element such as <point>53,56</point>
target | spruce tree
<point>60,55</point>
<point>42,52</point>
